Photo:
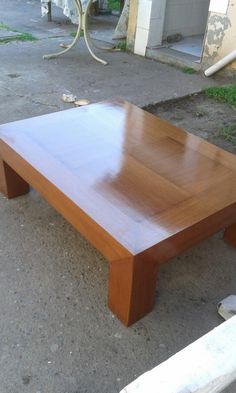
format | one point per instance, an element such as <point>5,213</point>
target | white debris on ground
<point>227,307</point>
<point>82,102</point>
<point>68,97</point>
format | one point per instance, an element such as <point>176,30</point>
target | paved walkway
<point>31,85</point>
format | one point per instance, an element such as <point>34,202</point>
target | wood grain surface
<point>139,189</point>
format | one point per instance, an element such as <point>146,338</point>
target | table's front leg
<point>11,184</point>
<point>87,36</point>
<point>230,235</point>
<point>132,285</point>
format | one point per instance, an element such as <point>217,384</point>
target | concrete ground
<point>56,333</point>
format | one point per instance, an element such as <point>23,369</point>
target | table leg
<point>230,235</point>
<point>132,285</point>
<point>91,43</point>
<point>49,11</point>
<point>83,24</point>
<point>86,34</point>
<point>77,36</point>
<point>11,184</point>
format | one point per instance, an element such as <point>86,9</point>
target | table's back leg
<point>132,284</point>
<point>11,184</point>
<point>49,11</point>
<point>230,235</point>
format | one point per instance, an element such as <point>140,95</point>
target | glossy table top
<point>138,177</point>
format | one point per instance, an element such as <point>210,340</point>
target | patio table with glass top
<point>139,189</point>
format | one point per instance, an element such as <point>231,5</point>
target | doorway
<point>183,29</point>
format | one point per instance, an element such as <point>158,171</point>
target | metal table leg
<point>77,36</point>
<point>87,36</point>
<point>82,25</point>
<point>49,11</point>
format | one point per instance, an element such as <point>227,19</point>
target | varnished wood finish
<point>139,189</point>
<point>132,283</point>
<point>11,184</point>
<point>230,235</point>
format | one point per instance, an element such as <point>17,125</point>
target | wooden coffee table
<point>139,189</point>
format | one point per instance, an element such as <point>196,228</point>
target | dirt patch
<point>202,116</point>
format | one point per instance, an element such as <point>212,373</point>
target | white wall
<point>143,26</point>
<point>221,33</point>
<point>187,17</point>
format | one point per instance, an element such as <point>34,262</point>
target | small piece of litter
<point>64,46</point>
<point>68,97</point>
<point>82,102</point>
<point>227,307</point>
